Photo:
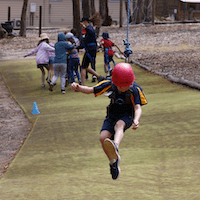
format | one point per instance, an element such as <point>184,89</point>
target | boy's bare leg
<point>105,134</point>
<point>119,132</point>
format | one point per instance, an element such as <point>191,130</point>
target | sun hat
<point>69,35</point>
<point>105,35</point>
<point>123,75</point>
<point>44,36</point>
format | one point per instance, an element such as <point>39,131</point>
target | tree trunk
<point>23,19</point>
<point>76,17</point>
<point>102,9</point>
<point>92,6</point>
<point>86,8</point>
<point>165,8</point>
<point>140,15</point>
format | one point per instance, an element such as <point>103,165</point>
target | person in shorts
<point>42,57</point>
<point>124,110</point>
<point>90,45</point>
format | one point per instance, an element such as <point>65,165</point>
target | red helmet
<point>123,75</point>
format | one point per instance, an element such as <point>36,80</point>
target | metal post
<point>8,13</point>
<point>40,21</point>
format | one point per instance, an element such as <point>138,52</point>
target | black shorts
<point>42,65</point>
<point>86,60</point>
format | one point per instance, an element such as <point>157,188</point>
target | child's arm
<point>118,49</point>
<point>138,113</point>
<point>32,52</point>
<point>82,88</point>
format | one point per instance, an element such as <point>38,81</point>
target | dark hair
<point>85,19</point>
<point>73,31</point>
<point>46,40</point>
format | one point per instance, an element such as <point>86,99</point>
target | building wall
<point>57,13</point>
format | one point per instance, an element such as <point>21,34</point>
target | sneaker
<point>112,150</point>
<point>111,70</point>
<point>48,80</point>
<point>94,79</point>
<point>101,78</point>
<point>51,87</point>
<point>43,86</point>
<point>63,91</point>
<point>115,169</point>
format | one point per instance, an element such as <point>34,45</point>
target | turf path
<point>62,157</point>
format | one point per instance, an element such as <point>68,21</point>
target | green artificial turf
<point>62,156</point>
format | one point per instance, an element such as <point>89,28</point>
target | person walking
<point>42,57</point>
<point>60,61</point>
<point>124,110</point>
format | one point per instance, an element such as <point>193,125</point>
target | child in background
<point>60,61</point>
<point>108,52</point>
<point>42,58</point>
<point>127,97</point>
<point>51,61</point>
<point>73,59</point>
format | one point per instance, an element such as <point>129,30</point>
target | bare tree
<point>76,17</point>
<point>86,8</point>
<point>93,10</point>
<point>103,10</point>
<point>23,19</point>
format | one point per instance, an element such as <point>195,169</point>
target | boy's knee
<point>120,125</point>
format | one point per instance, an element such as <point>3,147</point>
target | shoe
<point>93,79</point>
<point>115,169</point>
<point>112,150</point>
<point>101,78</point>
<point>51,87</point>
<point>43,86</point>
<point>48,80</point>
<point>66,82</point>
<point>79,82</point>
<point>63,91</point>
<point>111,72</point>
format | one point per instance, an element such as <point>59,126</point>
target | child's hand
<point>74,86</point>
<point>135,124</point>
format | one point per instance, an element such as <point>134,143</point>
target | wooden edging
<point>169,77</point>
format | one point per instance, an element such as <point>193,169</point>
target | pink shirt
<point>42,51</point>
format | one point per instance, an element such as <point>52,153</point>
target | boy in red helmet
<point>124,110</point>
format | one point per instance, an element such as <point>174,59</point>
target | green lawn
<point>62,156</point>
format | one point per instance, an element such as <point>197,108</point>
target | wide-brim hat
<point>105,35</point>
<point>44,36</point>
<point>85,19</point>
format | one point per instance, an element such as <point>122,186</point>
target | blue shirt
<point>60,49</point>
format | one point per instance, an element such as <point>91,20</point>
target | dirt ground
<point>164,49</point>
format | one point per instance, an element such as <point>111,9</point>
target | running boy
<point>124,110</point>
